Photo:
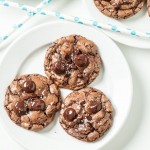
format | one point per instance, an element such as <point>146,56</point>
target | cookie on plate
<point>72,62</point>
<point>31,101</point>
<point>86,114</point>
<point>119,9</point>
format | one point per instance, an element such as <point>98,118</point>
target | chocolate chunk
<point>89,118</point>
<point>82,102</point>
<point>94,107</point>
<point>20,108</point>
<point>37,105</point>
<point>68,59</point>
<point>29,86</point>
<point>77,51</point>
<point>59,68</point>
<point>81,60</point>
<point>70,114</point>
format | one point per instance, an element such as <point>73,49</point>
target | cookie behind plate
<point>119,9</point>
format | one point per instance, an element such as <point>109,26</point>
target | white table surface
<point>136,132</point>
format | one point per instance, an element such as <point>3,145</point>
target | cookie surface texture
<point>119,9</point>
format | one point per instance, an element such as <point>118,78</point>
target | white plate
<point>26,55</point>
<point>140,21</point>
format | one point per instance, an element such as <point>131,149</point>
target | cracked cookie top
<point>119,9</point>
<point>31,101</point>
<point>72,62</point>
<point>86,114</point>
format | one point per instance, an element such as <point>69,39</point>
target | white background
<point>136,133</point>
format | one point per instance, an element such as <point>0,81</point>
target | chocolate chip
<point>20,108</point>
<point>94,107</point>
<point>81,60</point>
<point>77,51</point>
<point>36,105</point>
<point>29,86</point>
<point>82,102</point>
<point>68,59</point>
<point>89,118</point>
<point>70,114</point>
<point>59,68</point>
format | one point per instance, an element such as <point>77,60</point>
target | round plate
<point>135,22</point>
<point>26,55</point>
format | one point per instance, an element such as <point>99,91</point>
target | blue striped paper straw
<point>29,15</point>
<point>80,20</point>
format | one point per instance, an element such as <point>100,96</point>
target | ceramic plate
<point>26,55</point>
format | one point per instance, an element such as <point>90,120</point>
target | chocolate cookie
<point>86,114</point>
<point>148,7</point>
<point>119,9</point>
<point>72,62</point>
<point>31,101</point>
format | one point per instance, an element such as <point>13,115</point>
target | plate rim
<point>66,22</point>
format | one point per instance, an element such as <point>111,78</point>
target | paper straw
<point>29,15</point>
<point>76,19</point>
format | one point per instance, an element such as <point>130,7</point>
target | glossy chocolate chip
<point>94,107</point>
<point>36,105</point>
<point>81,60</point>
<point>89,118</point>
<point>77,51</point>
<point>68,59</point>
<point>20,108</point>
<point>70,114</point>
<point>29,86</point>
<point>59,68</point>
